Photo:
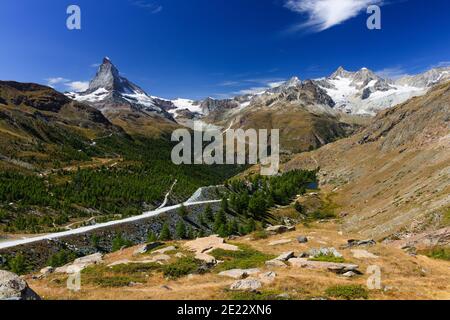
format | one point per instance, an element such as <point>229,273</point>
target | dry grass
<point>403,276</point>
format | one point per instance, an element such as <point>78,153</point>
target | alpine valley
<point>87,184</point>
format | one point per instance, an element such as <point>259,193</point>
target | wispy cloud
<point>324,14</point>
<point>67,84</point>
<point>151,6</point>
<point>51,82</point>
<point>77,86</point>
<point>392,73</point>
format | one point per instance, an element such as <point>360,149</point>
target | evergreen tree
<point>220,221</point>
<point>165,233</point>
<point>151,237</point>
<point>181,230</point>
<point>209,213</point>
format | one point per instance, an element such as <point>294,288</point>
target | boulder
<point>203,246</point>
<point>268,277</point>
<point>81,263</point>
<point>286,256</point>
<point>276,264</point>
<point>359,243</point>
<point>339,268</point>
<point>12,287</point>
<point>239,273</point>
<point>279,242</point>
<point>313,253</point>
<point>277,229</point>
<point>302,239</point>
<point>147,247</point>
<point>246,285</point>
<point>160,257</point>
<point>47,271</point>
<point>349,274</point>
<point>208,259</point>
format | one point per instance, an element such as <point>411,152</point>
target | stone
<point>246,285</point>
<point>324,252</point>
<point>239,273</point>
<point>277,229</point>
<point>268,277</point>
<point>286,256</point>
<point>180,255</point>
<point>349,274</point>
<point>80,264</point>
<point>12,287</point>
<point>47,271</point>
<point>302,239</point>
<point>205,258</point>
<point>284,296</point>
<point>279,242</point>
<point>339,268</point>
<point>147,247</point>
<point>359,243</point>
<point>276,264</point>
<point>363,254</point>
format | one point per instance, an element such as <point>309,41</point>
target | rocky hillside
<point>391,180</point>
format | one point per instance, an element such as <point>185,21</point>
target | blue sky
<point>199,48</point>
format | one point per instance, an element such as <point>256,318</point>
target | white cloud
<point>51,82</point>
<point>324,14</point>
<point>61,82</point>
<point>393,73</point>
<point>77,86</point>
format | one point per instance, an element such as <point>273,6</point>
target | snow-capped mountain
<point>109,92</point>
<point>427,79</point>
<point>364,92</point>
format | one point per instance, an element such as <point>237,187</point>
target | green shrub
<point>18,264</point>
<point>321,215</point>
<point>258,235</point>
<point>348,292</point>
<point>120,242</point>
<point>440,253</point>
<point>182,267</point>
<point>245,258</point>
<point>134,268</point>
<point>61,258</point>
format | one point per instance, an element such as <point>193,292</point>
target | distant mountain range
<point>309,113</point>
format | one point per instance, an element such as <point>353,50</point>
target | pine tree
<point>220,221</point>
<point>209,213</point>
<point>165,233</point>
<point>151,237</point>
<point>181,230</point>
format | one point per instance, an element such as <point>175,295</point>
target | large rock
<point>80,264</point>
<point>246,285</point>
<point>203,246</point>
<point>147,248</point>
<point>276,264</point>
<point>279,242</point>
<point>314,253</point>
<point>12,287</point>
<point>302,239</point>
<point>286,256</point>
<point>279,229</point>
<point>359,243</point>
<point>268,277</point>
<point>239,273</point>
<point>339,268</point>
